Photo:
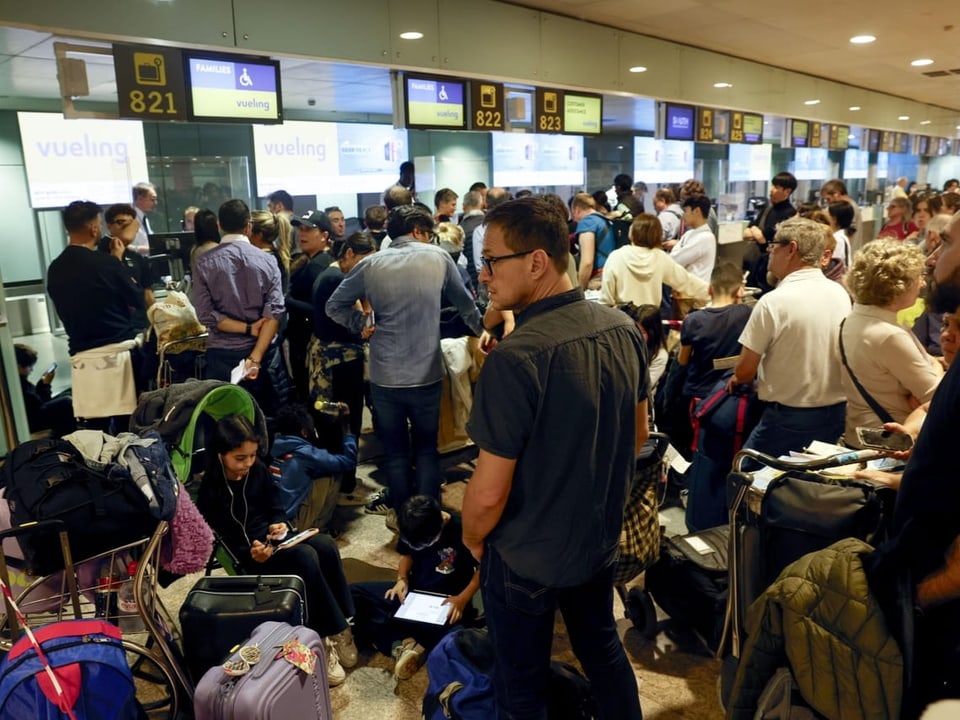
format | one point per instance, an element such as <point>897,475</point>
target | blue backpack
<point>90,665</point>
<point>459,669</point>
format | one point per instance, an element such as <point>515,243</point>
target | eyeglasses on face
<point>773,242</point>
<point>488,262</point>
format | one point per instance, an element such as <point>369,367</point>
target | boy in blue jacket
<point>307,475</point>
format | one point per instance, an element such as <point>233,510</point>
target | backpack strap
<point>884,416</point>
<point>741,423</point>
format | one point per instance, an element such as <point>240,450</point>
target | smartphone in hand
<point>51,369</point>
<point>880,439</point>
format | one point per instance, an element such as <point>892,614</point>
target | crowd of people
<point>318,324</point>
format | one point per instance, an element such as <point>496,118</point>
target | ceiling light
<point>903,117</point>
<point>921,62</point>
<point>862,39</point>
<point>811,102</point>
<point>852,137</point>
<point>924,122</point>
<point>638,69</point>
<point>722,85</point>
<point>853,108</point>
<point>413,35</point>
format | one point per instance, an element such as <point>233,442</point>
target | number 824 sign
<point>150,82</point>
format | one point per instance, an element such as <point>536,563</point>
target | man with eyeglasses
<point>559,415</point>
<point>403,286</point>
<point>791,346</point>
<point>122,225</point>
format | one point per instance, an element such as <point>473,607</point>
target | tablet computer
<point>297,539</point>
<point>424,607</point>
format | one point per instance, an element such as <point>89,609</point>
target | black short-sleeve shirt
<point>94,294</point>
<point>560,396</point>
<point>446,567</point>
<point>712,333</point>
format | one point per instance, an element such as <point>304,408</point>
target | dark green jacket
<point>820,620</point>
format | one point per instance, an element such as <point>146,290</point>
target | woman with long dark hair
<point>241,503</point>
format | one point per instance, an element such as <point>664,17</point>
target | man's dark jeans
<point>421,406</point>
<point>520,617</point>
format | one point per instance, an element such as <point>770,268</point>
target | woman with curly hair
<point>884,277</point>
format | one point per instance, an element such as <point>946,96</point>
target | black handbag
<point>220,612</point>
<point>804,512</point>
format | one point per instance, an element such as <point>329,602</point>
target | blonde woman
<point>885,276</point>
<point>271,233</point>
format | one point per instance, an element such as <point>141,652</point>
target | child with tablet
<point>433,562</point>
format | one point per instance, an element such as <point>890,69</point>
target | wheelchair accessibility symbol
<point>245,78</point>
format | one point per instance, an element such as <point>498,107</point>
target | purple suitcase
<point>273,689</point>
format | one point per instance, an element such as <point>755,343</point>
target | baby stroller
<point>184,415</point>
<point>640,538</point>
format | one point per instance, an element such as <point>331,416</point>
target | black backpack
<point>101,508</point>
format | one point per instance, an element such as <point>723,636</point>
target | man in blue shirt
<point>404,285</point>
<point>595,237</point>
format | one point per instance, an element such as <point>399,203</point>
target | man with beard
<point>926,520</point>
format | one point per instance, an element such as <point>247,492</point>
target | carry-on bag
<point>220,612</point>
<point>690,583</point>
<point>278,673</point>
<point>75,669</point>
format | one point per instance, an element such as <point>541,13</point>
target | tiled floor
<point>677,679</point>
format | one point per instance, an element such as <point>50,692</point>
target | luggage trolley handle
<point>731,620</point>
<point>50,526</point>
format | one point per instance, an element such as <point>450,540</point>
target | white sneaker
<point>346,648</point>
<point>409,657</point>
<point>335,672</point>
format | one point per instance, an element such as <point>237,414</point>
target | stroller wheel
<point>641,612</point>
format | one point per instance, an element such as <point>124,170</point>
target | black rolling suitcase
<point>220,612</point>
<point>690,581</point>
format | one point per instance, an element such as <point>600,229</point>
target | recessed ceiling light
<point>413,35</point>
<point>853,108</point>
<point>619,147</point>
<point>921,62</point>
<point>852,137</point>
<point>924,122</point>
<point>722,85</point>
<point>958,127</point>
<point>638,69</point>
<point>811,102</point>
<point>862,39</point>
<point>903,117</point>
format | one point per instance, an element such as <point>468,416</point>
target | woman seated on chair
<point>241,503</point>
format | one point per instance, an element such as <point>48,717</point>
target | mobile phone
<point>53,366</point>
<point>881,439</point>
<point>370,321</point>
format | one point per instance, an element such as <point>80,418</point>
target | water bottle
<point>105,597</point>
<point>129,617</point>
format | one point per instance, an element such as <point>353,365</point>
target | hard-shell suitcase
<point>220,612</point>
<point>273,688</point>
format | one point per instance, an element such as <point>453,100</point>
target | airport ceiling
<point>808,37</point>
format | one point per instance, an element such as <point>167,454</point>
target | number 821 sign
<point>150,83</point>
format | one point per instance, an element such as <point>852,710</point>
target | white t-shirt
<point>795,328</point>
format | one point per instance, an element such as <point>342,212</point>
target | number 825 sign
<point>150,83</point>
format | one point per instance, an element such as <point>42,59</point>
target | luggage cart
<point>150,636</point>
<point>181,359</point>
